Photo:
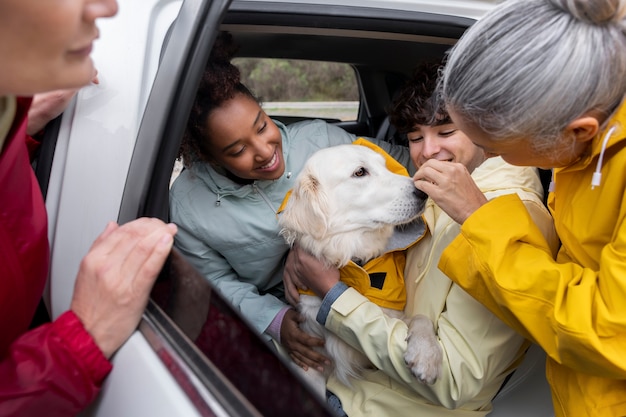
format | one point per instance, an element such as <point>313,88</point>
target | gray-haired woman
<point>542,83</point>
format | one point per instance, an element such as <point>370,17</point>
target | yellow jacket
<point>479,350</point>
<point>574,307</point>
<point>381,280</point>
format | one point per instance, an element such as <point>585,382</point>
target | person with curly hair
<point>239,165</point>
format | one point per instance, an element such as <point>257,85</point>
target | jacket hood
<point>222,186</point>
<point>612,135</point>
<point>494,172</point>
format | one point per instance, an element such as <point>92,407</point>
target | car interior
<point>203,341</point>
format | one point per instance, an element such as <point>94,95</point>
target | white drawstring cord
<point>597,175</point>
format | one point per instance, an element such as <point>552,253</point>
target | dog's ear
<point>307,209</point>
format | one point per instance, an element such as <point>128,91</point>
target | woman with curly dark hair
<point>239,166</point>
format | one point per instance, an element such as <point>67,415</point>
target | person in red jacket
<point>58,368</point>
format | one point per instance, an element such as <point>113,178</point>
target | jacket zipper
<point>263,196</point>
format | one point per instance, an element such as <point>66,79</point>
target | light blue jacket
<point>229,232</point>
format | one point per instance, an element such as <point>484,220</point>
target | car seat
<point>527,393</point>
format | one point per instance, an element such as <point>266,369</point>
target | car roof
<point>472,9</point>
<point>388,35</point>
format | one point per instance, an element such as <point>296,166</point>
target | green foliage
<point>298,80</point>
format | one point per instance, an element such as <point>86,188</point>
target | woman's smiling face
<point>243,140</point>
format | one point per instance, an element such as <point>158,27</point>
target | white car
<point>112,154</point>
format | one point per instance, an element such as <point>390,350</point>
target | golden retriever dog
<point>345,205</point>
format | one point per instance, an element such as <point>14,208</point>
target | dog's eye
<point>361,172</point>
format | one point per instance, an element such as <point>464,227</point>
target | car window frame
<point>182,64</point>
<point>165,115</point>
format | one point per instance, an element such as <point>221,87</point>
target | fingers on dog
<point>312,341</point>
<point>306,357</point>
<point>294,358</point>
<point>427,174</point>
<point>291,294</point>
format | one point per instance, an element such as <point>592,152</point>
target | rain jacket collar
<point>611,136</point>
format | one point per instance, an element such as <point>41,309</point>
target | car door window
<point>299,89</point>
<point>225,352</point>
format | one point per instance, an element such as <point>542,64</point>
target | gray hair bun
<point>594,11</point>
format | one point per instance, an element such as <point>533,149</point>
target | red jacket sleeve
<point>54,370</point>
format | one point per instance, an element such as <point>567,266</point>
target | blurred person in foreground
<point>57,369</point>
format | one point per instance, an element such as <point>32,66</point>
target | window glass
<point>234,362</point>
<point>301,88</point>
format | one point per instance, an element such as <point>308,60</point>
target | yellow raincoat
<point>574,307</point>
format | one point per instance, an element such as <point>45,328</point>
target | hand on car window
<point>116,276</point>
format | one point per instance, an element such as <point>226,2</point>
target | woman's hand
<point>304,271</point>
<point>451,187</point>
<point>115,279</point>
<point>300,344</point>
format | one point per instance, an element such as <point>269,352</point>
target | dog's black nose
<point>420,194</point>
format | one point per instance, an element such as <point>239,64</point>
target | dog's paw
<point>424,355</point>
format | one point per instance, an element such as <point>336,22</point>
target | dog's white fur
<point>344,206</point>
